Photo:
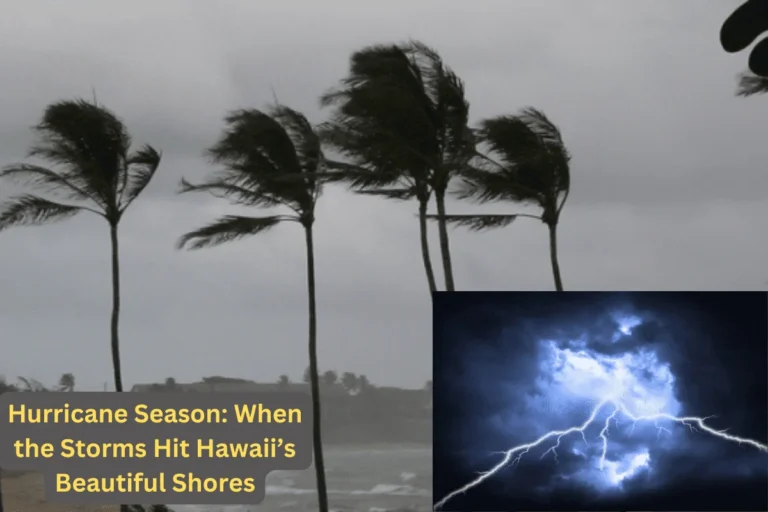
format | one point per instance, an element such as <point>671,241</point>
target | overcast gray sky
<point>669,186</point>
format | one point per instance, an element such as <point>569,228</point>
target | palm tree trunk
<point>116,319</point>
<point>115,308</point>
<point>314,378</point>
<point>553,256</point>
<point>425,247</point>
<point>445,249</point>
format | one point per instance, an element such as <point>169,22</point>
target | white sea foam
<point>280,490</point>
<point>352,482</point>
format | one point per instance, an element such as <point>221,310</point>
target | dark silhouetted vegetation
<point>398,121</point>
<point>270,160</point>
<point>355,411</point>
<point>750,85</point>
<point>400,118</point>
<point>527,163</point>
<point>94,170</point>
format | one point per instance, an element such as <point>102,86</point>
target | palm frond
<point>510,138</point>
<point>253,137</point>
<point>88,140</point>
<point>527,161</point>
<point>750,84</point>
<point>228,229</point>
<point>337,171</point>
<point>375,157</point>
<point>30,210</point>
<point>218,186</point>
<point>540,125</point>
<point>400,194</point>
<point>495,185</point>
<point>49,181</point>
<point>384,113</point>
<point>260,151</point>
<point>477,222</point>
<point>306,142</point>
<point>448,103</point>
<point>32,385</point>
<point>141,167</point>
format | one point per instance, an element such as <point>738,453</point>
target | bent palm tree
<point>96,169</point>
<point>401,119</point>
<point>271,160</point>
<point>527,163</point>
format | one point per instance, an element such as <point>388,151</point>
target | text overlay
<point>182,448</point>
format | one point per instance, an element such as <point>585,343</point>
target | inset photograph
<point>646,401</point>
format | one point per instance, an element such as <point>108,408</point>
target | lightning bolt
<point>513,455</point>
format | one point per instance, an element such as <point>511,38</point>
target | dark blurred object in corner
<point>741,29</point>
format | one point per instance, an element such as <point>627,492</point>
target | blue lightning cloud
<point>513,455</point>
<point>625,385</point>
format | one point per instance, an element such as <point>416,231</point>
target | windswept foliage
<point>268,160</point>
<point>400,120</point>
<point>93,169</point>
<point>94,166</point>
<point>527,163</point>
<point>273,160</point>
<point>750,84</point>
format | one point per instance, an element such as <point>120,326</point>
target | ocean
<point>360,479</point>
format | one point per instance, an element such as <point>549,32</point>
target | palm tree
<point>272,160</point>
<point>330,378</point>
<point>349,381</point>
<point>363,384</point>
<point>67,382</point>
<point>750,84</point>
<point>91,147</point>
<point>527,163</point>
<point>400,118</point>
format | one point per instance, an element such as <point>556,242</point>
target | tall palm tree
<point>750,84</point>
<point>400,117</point>
<point>270,159</point>
<point>527,163</point>
<point>95,168</point>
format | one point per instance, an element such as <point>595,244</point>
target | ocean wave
<point>282,490</point>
